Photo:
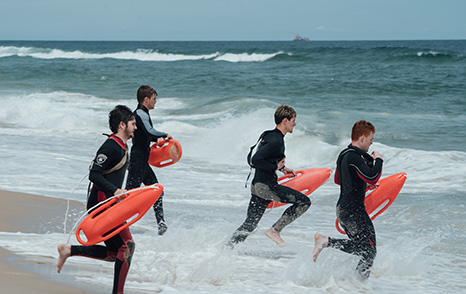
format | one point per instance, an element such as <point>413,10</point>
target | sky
<point>238,20</point>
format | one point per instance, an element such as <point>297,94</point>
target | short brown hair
<point>145,91</point>
<point>361,128</point>
<point>284,111</point>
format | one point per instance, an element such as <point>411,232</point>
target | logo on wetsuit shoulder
<point>101,158</point>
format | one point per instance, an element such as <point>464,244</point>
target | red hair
<point>361,128</point>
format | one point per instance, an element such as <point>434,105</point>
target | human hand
<point>287,171</point>
<point>372,187</point>
<point>160,141</point>
<point>121,193</point>
<point>376,155</point>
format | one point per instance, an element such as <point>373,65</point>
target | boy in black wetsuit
<point>269,158</point>
<point>139,169</point>
<point>107,175</point>
<point>355,169</point>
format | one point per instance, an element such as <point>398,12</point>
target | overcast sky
<point>155,20</point>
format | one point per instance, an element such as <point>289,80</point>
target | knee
<point>131,247</point>
<point>305,202</point>
<point>129,251</point>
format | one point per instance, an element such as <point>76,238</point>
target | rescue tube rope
<point>68,203</point>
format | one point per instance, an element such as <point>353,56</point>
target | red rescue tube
<point>165,154</point>
<point>110,218</point>
<point>381,197</point>
<point>306,181</point>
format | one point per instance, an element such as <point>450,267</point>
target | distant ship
<point>299,38</point>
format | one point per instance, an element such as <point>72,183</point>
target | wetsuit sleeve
<point>104,160</point>
<point>147,128</point>
<point>262,158</point>
<point>369,174</point>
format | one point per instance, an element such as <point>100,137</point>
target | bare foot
<point>320,243</point>
<point>64,252</point>
<point>275,236</point>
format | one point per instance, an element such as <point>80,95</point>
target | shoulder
<point>355,156</point>
<point>273,135</point>
<point>347,152</point>
<point>105,154</point>
<point>351,156</point>
<point>141,113</point>
<point>110,147</point>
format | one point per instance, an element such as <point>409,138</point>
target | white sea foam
<point>245,57</point>
<point>54,111</point>
<point>140,54</point>
<point>430,53</point>
<point>191,258</point>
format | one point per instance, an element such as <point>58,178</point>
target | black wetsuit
<point>265,188</point>
<point>356,169</point>
<point>139,170</point>
<point>119,248</point>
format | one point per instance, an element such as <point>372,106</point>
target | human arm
<point>368,173</point>
<point>284,169</point>
<point>104,160</point>
<point>147,128</point>
<point>268,155</point>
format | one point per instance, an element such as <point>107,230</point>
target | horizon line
<point>289,40</point>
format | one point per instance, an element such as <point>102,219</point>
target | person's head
<point>121,121</point>
<point>147,96</point>
<point>285,118</point>
<point>362,134</point>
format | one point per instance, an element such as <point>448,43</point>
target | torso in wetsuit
<point>270,151</point>
<point>109,155</point>
<point>144,134</point>
<point>355,169</point>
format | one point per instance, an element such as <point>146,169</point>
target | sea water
<point>216,98</point>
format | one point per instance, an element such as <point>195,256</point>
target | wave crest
<point>139,54</point>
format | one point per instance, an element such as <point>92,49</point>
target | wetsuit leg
<point>118,249</point>
<point>300,202</point>
<point>362,242</point>
<point>123,259</point>
<point>139,173</point>
<point>95,251</point>
<point>255,212</point>
<point>149,179</point>
<point>135,172</point>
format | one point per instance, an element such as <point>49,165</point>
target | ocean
<point>216,98</point>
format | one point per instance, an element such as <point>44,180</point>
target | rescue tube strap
<point>118,165</point>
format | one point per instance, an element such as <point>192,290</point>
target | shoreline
<point>20,274</point>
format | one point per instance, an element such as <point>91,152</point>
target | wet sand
<point>19,274</point>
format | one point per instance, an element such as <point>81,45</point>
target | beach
<point>216,98</point>
<point>25,213</point>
